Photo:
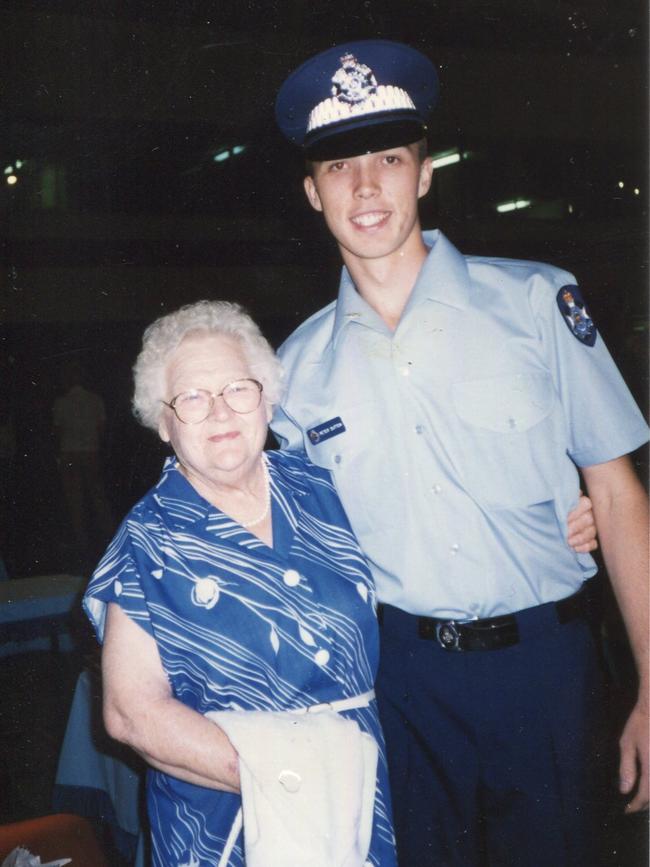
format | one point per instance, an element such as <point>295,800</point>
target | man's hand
<point>582,527</point>
<point>633,768</point>
<point>621,509</point>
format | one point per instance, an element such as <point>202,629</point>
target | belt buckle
<point>447,635</point>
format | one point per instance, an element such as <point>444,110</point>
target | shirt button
<point>291,578</point>
<point>290,780</point>
<point>205,592</point>
<point>321,657</point>
<point>419,429</point>
<point>337,459</point>
<point>437,489</point>
<point>454,549</point>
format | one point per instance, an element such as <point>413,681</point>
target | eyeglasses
<point>195,405</point>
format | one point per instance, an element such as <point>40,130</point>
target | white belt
<point>339,704</point>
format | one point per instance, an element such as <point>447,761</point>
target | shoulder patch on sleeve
<point>574,312</point>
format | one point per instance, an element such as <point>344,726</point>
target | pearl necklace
<point>267,498</point>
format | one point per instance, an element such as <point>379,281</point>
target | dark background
<point>112,113</point>
<point>120,212</point>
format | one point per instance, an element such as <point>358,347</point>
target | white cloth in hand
<point>308,787</point>
<point>21,857</point>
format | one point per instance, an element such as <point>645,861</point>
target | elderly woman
<point>236,586</point>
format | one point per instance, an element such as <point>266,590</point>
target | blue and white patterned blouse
<point>242,626</point>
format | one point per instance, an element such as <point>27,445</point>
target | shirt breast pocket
<point>507,442</point>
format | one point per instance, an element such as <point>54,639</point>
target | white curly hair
<point>164,335</point>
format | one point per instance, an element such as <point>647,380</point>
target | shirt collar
<point>179,500</point>
<point>351,307</point>
<point>184,506</point>
<point>289,480</point>
<point>443,278</point>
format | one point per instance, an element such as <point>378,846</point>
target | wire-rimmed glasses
<point>195,405</point>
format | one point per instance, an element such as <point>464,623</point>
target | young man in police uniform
<point>453,398</point>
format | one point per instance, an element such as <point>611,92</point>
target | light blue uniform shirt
<point>454,439</point>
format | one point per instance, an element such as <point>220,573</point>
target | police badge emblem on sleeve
<point>575,314</point>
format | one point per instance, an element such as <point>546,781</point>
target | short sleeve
<point>288,434</point>
<point>293,354</point>
<point>603,421</point>
<point>117,579</point>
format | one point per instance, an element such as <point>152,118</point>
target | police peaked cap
<point>359,97</point>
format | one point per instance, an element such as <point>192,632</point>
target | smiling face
<point>370,202</point>
<point>224,449</point>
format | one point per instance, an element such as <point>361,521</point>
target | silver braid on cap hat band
<point>387,97</point>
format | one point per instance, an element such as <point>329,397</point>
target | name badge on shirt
<point>326,430</point>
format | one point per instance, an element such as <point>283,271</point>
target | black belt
<point>491,633</point>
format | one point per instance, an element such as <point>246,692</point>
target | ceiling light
<point>513,206</point>
<point>447,158</point>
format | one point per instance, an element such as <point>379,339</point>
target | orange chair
<point>51,837</point>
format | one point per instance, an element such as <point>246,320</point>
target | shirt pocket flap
<point>504,404</point>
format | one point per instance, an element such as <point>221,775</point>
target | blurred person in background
<point>79,420</point>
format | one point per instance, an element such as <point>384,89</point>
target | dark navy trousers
<point>495,756</point>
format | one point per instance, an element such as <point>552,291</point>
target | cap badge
<point>354,81</point>
<point>355,92</point>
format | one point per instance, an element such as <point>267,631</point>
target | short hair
<point>423,153</point>
<point>164,335</point>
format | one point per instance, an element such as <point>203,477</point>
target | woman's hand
<point>582,527</point>
<point>139,710</point>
